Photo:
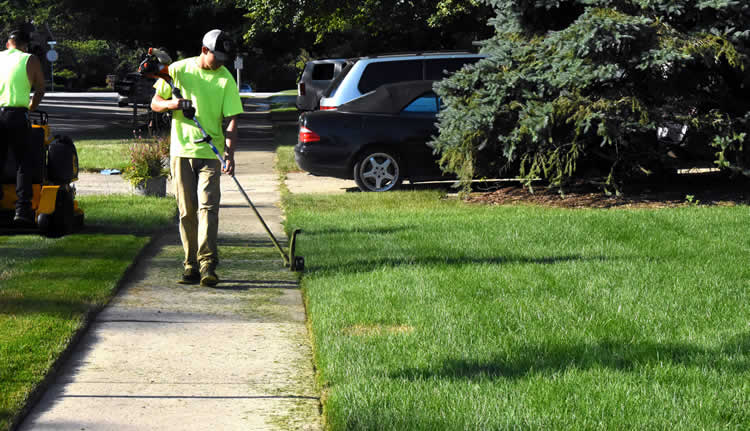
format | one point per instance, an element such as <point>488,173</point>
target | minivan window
<point>323,72</point>
<point>387,72</point>
<point>434,69</point>
<point>334,85</point>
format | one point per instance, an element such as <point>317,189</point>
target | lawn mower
<point>156,65</point>
<point>55,168</point>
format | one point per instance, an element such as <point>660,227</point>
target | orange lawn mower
<point>55,168</point>
<point>156,65</point>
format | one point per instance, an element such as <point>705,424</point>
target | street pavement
<point>173,357</point>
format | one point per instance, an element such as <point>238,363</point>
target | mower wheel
<point>44,222</point>
<point>77,221</point>
<point>61,221</point>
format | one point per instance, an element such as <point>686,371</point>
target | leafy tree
<point>88,62</point>
<point>581,89</point>
<point>361,27</point>
<point>125,27</point>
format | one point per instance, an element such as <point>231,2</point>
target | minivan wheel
<point>377,171</point>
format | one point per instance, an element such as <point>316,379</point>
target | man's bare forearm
<point>231,137</point>
<point>159,104</point>
<point>36,99</point>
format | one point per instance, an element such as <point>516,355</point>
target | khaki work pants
<point>197,184</point>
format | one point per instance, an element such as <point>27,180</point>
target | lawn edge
<point>37,393</point>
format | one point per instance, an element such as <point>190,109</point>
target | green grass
<point>47,286</point>
<point>432,314</point>
<point>285,160</point>
<point>285,131</point>
<point>283,108</point>
<point>97,154</point>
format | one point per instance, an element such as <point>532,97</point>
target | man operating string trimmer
<point>209,89</point>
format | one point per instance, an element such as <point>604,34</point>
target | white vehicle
<point>366,74</point>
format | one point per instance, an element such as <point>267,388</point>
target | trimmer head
<point>296,263</point>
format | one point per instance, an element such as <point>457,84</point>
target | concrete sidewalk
<point>164,356</point>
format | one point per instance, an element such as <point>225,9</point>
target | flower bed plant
<point>148,158</point>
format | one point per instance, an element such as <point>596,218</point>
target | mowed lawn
<point>48,286</point>
<point>432,314</point>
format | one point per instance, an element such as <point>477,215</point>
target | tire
<point>44,221</point>
<point>378,170</point>
<point>61,221</point>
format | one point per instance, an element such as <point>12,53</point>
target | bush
<point>147,159</point>
<point>579,90</point>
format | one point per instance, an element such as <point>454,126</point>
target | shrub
<point>148,158</point>
<point>580,89</point>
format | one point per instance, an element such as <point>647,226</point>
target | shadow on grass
<point>367,265</point>
<point>106,229</point>
<point>362,230</point>
<point>88,229</point>
<point>234,241</point>
<point>624,356</point>
<point>61,307</point>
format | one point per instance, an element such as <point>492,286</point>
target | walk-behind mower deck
<point>55,168</point>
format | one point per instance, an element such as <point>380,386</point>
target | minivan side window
<point>323,72</point>
<point>434,69</point>
<point>387,72</point>
<point>334,85</point>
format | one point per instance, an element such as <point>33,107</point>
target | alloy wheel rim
<point>379,172</point>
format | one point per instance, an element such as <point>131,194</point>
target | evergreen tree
<point>585,89</point>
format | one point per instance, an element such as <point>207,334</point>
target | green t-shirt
<point>14,80</point>
<point>215,96</point>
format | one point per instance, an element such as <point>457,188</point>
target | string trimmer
<point>156,65</point>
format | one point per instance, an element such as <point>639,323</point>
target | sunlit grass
<point>431,314</point>
<point>95,155</point>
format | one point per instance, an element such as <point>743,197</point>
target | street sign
<point>52,57</point>
<point>238,67</point>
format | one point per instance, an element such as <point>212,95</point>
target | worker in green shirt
<point>19,73</point>
<point>196,171</point>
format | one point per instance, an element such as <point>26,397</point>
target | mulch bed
<point>683,190</point>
